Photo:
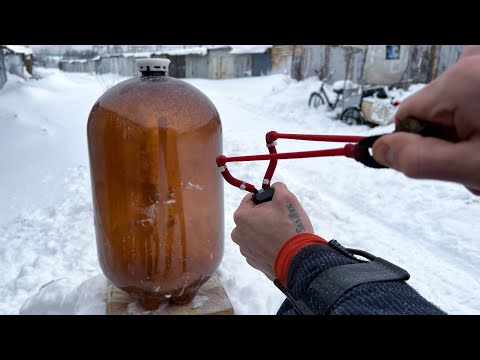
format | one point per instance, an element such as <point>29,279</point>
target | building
<point>392,65</point>
<point>346,61</point>
<point>213,62</point>
<point>233,61</point>
<point>18,60</point>
<point>3,73</point>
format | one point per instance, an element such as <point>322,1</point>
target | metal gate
<point>177,67</point>
<point>261,64</point>
<point>347,61</point>
<point>196,66</point>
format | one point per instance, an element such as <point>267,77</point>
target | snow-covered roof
<point>199,50</point>
<point>188,51</point>
<point>249,49</point>
<point>72,61</point>
<point>213,47</point>
<point>19,49</point>
<point>134,54</point>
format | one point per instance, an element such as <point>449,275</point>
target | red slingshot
<point>359,153</point>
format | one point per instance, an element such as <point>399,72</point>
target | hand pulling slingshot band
<point>358,149</point>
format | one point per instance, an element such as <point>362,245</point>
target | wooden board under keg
<point>211,299</point>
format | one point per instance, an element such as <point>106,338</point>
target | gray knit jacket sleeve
<point>375,298</point>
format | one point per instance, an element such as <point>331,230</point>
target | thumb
<point>429,158</point>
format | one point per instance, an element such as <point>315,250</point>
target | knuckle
<point>283,194</point>
<point>238,216</point>
<point>251,263</point>
<point>244,252</point>
<point>279,185</point>
<point>290,198</point>
<point>280,188</point>
<point>234,235</point>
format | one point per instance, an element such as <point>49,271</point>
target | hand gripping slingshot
<point>358,148</point>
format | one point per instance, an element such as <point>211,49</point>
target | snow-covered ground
<point>47,243</point>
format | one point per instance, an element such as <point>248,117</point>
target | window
<point>392,52</point>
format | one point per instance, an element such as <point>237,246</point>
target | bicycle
<point>319,98</point>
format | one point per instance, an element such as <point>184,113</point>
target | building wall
<point>336,58</point>
<point>214,63</point>
<point>115,64</point>
<point>346,60</point>
<point>86,67</point>
<point>196,66</point>
<point>14,64</point>
<point>118,65</point>
<point>261,64</point>
<point>181,66</point>
<point>3,74</point>
<point>223,65</point>
<point>446,55</point>
<point>177,67</point>
<point>419,65</point>
<point>282,59</point>
<point>314,59</point>
<point>217,64</point>
<point>380,71</point>
<point>357,64</point>
<point>426,62</point>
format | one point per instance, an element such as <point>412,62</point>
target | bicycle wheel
<point>352,116</point>
<point>315,100</point>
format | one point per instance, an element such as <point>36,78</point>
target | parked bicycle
<point>321,97</point>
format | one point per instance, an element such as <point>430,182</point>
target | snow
<point>47,238</point>
<point>249,49</point>
<point>132,54</point>
<point>199,50</point>
<point>146,54</point>
<point>19,49</point>
<point>194,51</point>
<point>344,84</point>
<point>81,61</point>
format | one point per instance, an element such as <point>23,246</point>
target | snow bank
<point>62,297</point>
